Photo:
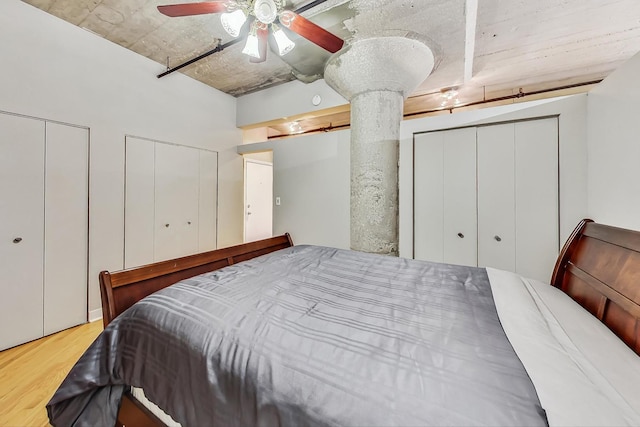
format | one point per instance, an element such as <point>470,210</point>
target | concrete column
<point>374,171</point>
<point>376,74</point>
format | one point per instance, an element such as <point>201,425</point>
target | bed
<point>268,333</point>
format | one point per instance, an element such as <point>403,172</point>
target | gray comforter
<point>310,336</point>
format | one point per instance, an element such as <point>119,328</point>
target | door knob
<point>166,225</point>
<point>498,238</point>
<point>460,235</point>
<point>17,240</point>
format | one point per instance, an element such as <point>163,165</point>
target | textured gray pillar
<point>376,74</point>
<point>374,171</point>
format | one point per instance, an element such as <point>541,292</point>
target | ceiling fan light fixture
<point>285,45</point>
<point>252,48</point>
<point>449,97</point>
<point>294,127</point>
<point>232,22</point>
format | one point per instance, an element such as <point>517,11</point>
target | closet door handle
<point>17,240</point>
<point>460,235</point>
<point>498,238</point>
<point>166,225</point>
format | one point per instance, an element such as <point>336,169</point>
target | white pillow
<point>608,354</point>
<point>571,389</point>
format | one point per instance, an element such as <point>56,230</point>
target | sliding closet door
<point>66,227</point>
<point>518,212</point>
<point>536,189</point>
<point>22,166</point>
<point>176,201</point>
<point>445,196</point>
<point>489,195</point>
<point>170,201</point>
<point>428,196</point>
<point>496,197</point>
<point>139,202</point>
<point>460,214</point>
<point>207,208</point>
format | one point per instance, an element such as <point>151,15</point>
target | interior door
<point>66,227</point>
<point>496,197</point>
<point>22,166</point>
<point>258,200</point>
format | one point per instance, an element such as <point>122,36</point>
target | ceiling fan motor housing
<point>234,14</point>
<point>265,10</point>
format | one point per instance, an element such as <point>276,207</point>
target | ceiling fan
<point>261,16</point>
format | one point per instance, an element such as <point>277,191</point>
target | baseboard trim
<point>95,315</point>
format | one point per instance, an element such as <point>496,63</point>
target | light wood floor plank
<point>31,373</point>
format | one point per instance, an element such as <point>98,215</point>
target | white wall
<point>311,177</point>
<point>311,173</point>
<point>54,70</point>
<point>614,148</point>
<point>285,100</point>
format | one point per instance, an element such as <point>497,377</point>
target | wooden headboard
<point>599,267</point>
<point>121,289</point>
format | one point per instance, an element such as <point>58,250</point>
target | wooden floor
<point>31,373</point>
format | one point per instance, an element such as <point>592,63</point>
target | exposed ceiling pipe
<point>221,47</point>
<point>520,94</point>
<point>218,48</point>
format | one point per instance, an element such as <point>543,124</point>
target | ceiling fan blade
<point>310,31</point>
<point>262,34</point>
<point>188,9</point>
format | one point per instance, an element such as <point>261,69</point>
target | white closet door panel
<point>428,196</point>
<point>536,185</point>
<point>167,197</point>
<point>22,221</point>
<point>139,202</point>
<point>496,216</point>
<point>189,210</point>
<point>460,213</point>
<point>208,200</point>
<point>176,201</point>
<point>66,227</point>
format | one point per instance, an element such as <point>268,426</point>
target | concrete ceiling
<point>486,48</point>
<point>137,25</point>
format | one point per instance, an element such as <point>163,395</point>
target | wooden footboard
<point>132,413</point>
<point>599,267</point>
<point>121,289</point>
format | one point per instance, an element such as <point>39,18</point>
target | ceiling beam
<point>471,15</point>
